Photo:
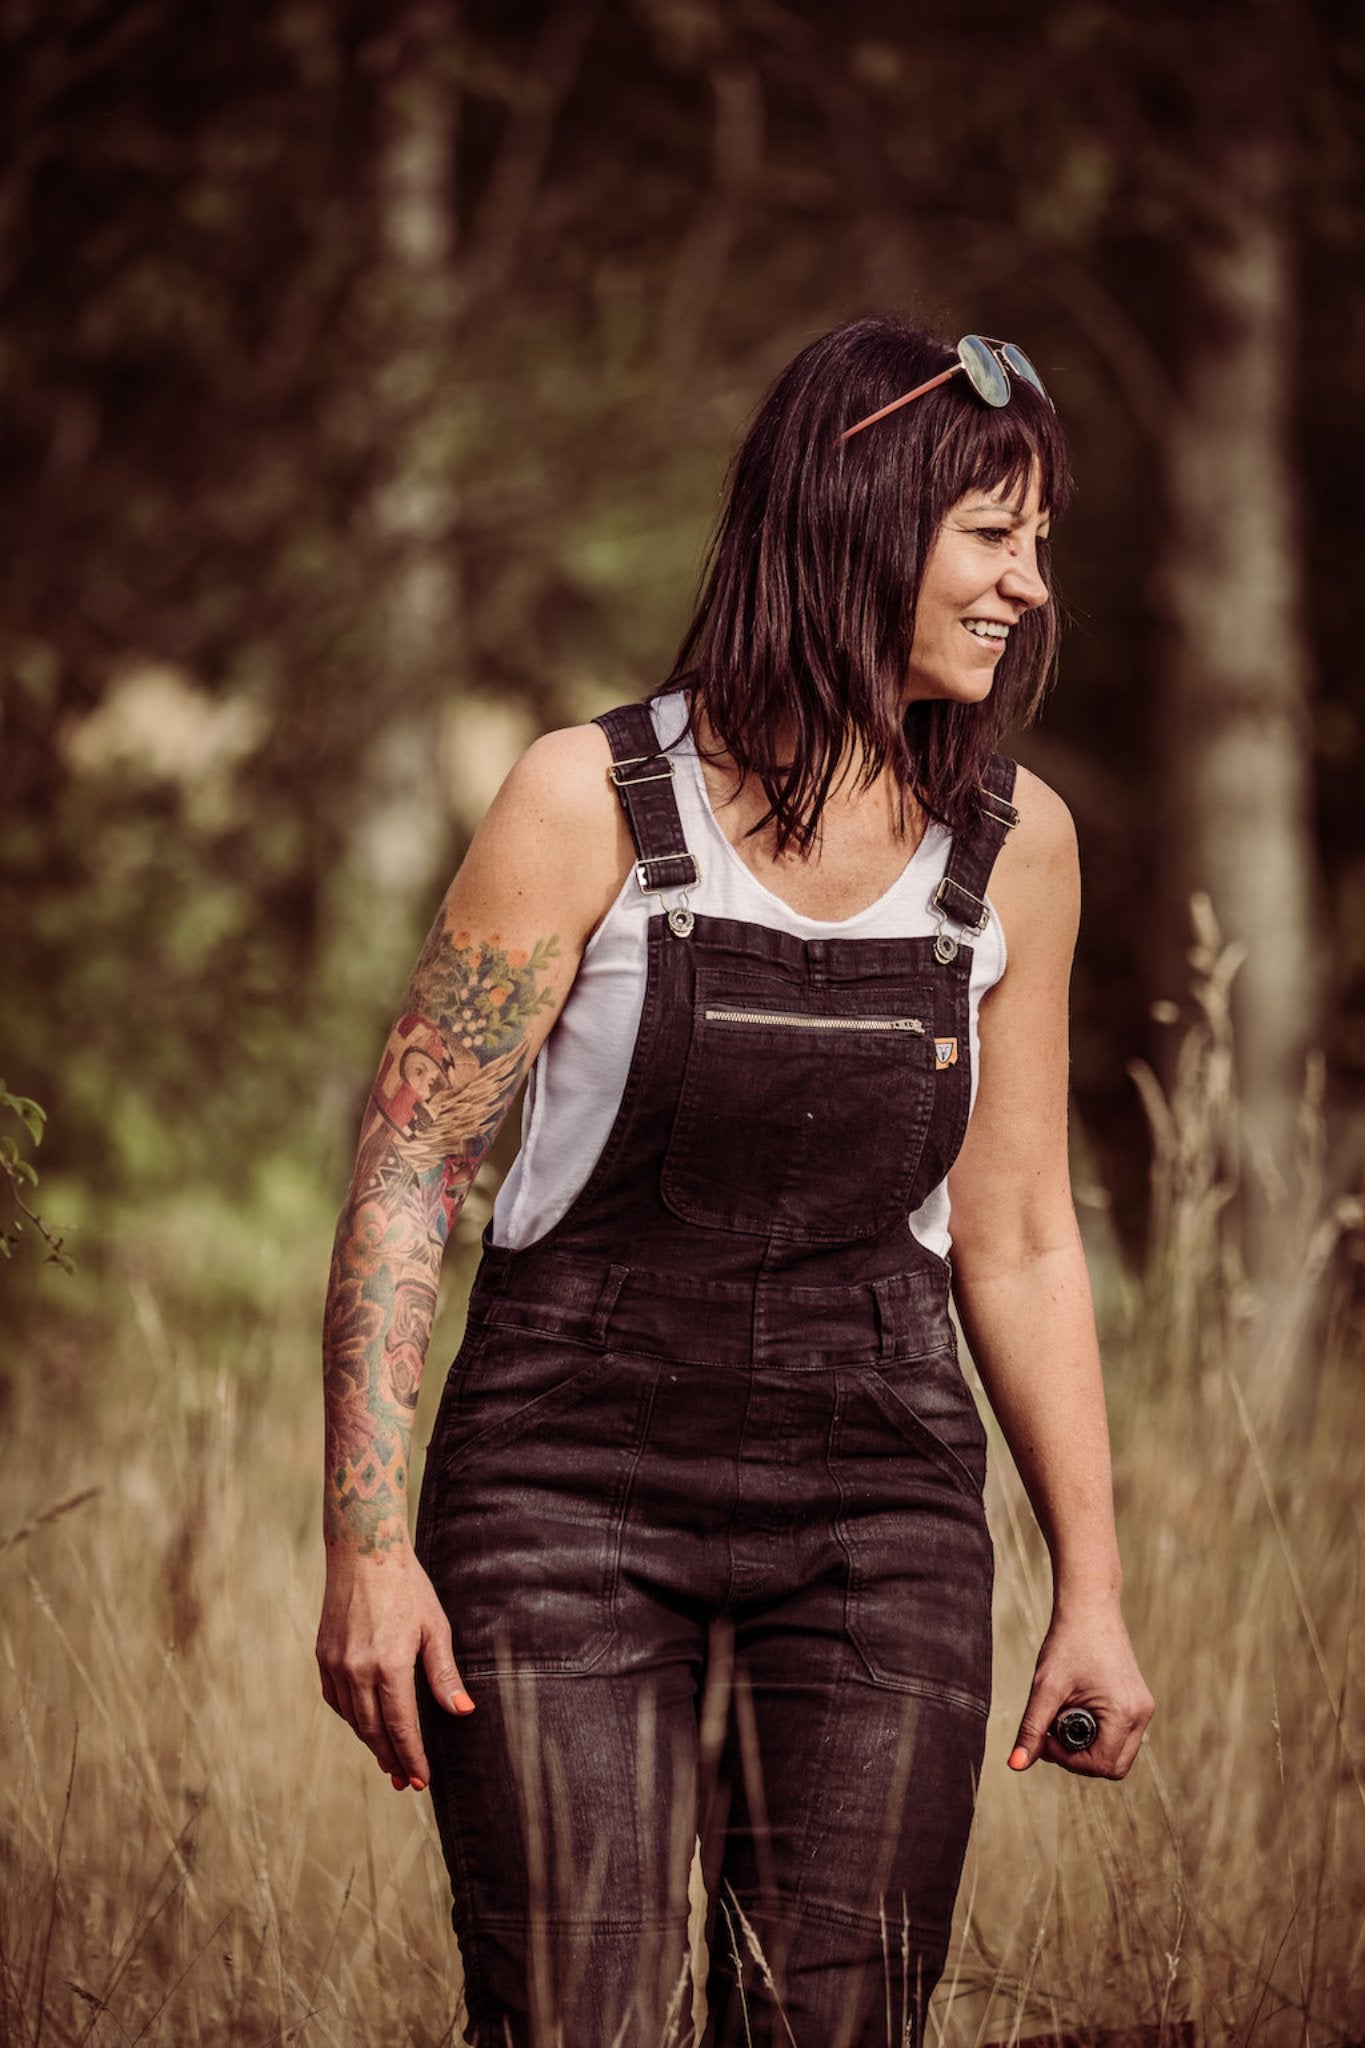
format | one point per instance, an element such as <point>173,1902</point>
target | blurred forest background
<point>370,372</point>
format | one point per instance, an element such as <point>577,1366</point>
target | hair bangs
<point>999,448</point>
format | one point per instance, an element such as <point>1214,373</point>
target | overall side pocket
<point>914,1533</point>
<point>525,1506</point>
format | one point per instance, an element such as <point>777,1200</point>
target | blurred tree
<point>1167,202</point>
<point>411,521</point>
<point>1238,730</point>
<point>1152,192</point>
<point>368,364</point>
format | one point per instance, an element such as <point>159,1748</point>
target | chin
<point>974,692</point>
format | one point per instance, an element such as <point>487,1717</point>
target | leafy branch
<point>20,1175</point>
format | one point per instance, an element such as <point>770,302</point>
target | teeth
<point>986,629</point>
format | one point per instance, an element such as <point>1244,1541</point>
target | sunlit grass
<point>195,1850</point>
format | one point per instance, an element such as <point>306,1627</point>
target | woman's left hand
<point>1086,1661</point>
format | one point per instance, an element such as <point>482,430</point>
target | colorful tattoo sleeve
<point>451,1067</point>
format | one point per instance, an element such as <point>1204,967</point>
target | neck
<point>881,805</point>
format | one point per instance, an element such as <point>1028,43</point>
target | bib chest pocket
<point>804,1108</point>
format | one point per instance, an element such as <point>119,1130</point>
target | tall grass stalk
<point>195,1851</point>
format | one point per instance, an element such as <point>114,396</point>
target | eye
<point>993,534</point>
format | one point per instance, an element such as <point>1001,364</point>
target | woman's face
<point>980,578</point>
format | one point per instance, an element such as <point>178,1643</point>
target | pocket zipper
<point>791,1021</point>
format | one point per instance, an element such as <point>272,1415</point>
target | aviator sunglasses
<point>989,366</point>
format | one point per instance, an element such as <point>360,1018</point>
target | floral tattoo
<point>451,1067</point>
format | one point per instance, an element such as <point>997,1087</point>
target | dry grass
<point>195,1852</point>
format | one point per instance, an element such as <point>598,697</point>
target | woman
<point>702,1509</point>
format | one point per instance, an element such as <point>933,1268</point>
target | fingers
<point>381,1625</point>
<point>442,1673</point>
<point>1123,1723</point>
<point>1120,1704</point>
<point>1111,1755</point>
<point>1086,1661</point>
<point>1133,1739</point>
<point>1050,1693</point>
<point>1033,1740</point>
<point>344,1702</point>
<point>374,1691</point>
<point>403,1756</point>
<point>385,1722</point>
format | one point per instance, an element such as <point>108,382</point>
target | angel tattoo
<point>434,1105</point>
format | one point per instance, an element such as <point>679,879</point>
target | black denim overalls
<point>712,1424</point>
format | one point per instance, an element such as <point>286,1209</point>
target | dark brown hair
<point>807,609</point>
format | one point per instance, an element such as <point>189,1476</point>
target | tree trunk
<point>404,832</point>
<point>1236,710</point>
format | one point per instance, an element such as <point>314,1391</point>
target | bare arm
<point>492,975</point>
<point>1023,1293</point>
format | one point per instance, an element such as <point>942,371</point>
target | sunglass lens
<point>1020,366</point>
<point>982,365</point>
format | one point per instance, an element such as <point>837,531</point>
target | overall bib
<point>703,1503</point>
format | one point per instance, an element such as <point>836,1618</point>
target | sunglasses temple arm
<point>905,399</point>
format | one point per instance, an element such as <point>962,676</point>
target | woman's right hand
<point>380,1616</point>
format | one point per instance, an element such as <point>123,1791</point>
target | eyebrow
<point>1011,512</point>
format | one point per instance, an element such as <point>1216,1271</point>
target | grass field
<point>195,1850</point>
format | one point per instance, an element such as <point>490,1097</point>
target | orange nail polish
<point>462,1703</point>
<point>417,1784</point>
<point>1018,1757</point>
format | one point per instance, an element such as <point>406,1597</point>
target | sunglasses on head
<point>989,366</point>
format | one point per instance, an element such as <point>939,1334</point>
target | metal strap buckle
<point>623,781</point>
<point>973,931</point>
<point>651,860</point>
<point>997,807</point>
<point>946,946</point>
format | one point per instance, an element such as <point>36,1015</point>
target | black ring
<point>1076,1729</point>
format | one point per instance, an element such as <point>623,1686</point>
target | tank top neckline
<point>684,743</point>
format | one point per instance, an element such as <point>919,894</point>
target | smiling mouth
<point>988,632</point>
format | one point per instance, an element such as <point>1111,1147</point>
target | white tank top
<point>577,1082</point>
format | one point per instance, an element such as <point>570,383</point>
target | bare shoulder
<point>562,778</point>
<point>1036,881</point>
<point>1046,834</point>
<point>558,790</point>
<point>556,829</point>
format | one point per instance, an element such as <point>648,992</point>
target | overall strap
<point>643,776</point>
<point>961,896</point>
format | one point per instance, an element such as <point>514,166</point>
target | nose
<point>1021,579</point>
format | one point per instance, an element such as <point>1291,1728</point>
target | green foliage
<point>19,1175</point>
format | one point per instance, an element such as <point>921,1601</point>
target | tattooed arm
<point>541,873</point>
<point>450,1068</point>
